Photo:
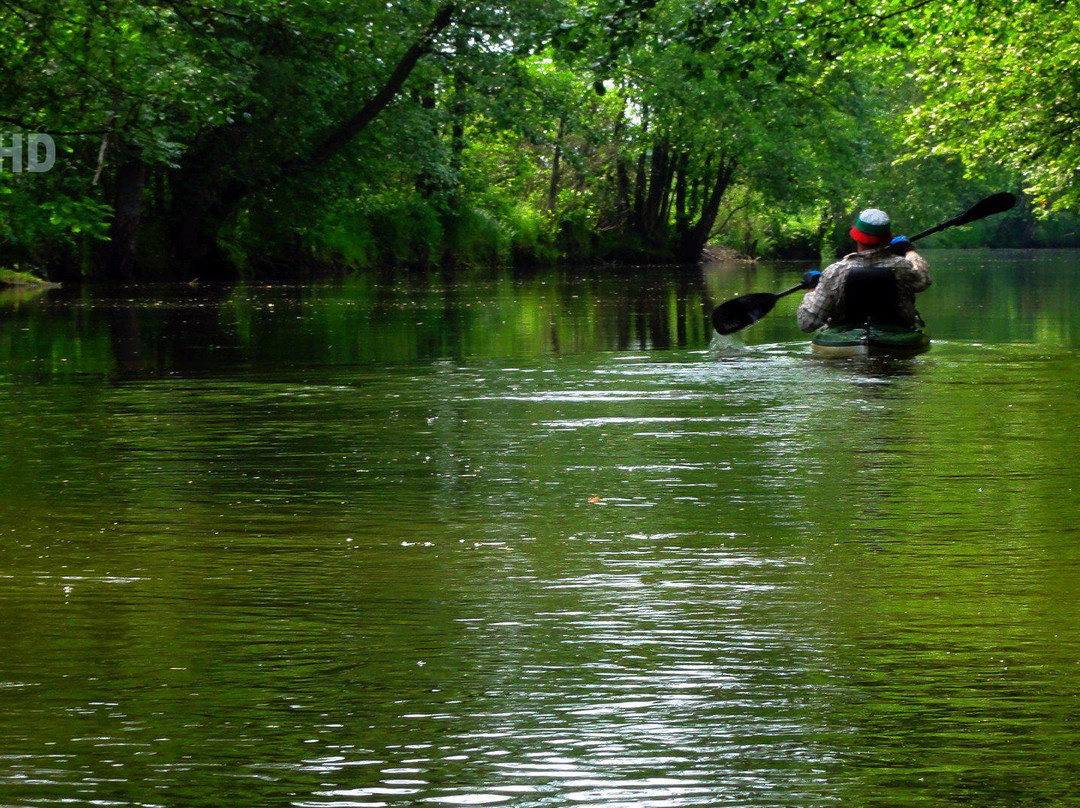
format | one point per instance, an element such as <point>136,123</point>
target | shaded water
<point>536,540</point>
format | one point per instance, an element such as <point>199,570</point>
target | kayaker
<point>824,303</point>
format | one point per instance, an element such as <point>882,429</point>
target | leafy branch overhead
<point>205,137</point>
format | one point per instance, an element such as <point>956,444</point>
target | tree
<point>206,139</point>
<point>219,103</point>
<point>712,93</point>
<point>1001,86</point>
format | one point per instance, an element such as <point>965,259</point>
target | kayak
<point>857,340</point>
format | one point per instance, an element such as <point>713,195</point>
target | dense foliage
<point>202,140</point>
<point>1001,82</point>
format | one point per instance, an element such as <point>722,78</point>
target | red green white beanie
<point>872,227</point>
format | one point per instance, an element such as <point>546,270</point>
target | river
<point>538,539</point>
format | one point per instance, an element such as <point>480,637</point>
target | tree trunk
<point>697,186</point>
<point>693,240</point>
<point>116,260</point>
<point>196,237</point>
<point>346,131</point>
<point>638,206</point>
<point>665,204</point>
<point>650,219</point>
<point>637,212</point>
<point>622,175</point>
<point>553,186</point>
<point>682,218</point>
<point>459,108</point>
<point>724,172</point>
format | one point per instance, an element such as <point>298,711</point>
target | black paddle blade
<point>998,203</point>
<point>737,314</point>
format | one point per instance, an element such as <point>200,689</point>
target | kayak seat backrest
<point>870,295</point>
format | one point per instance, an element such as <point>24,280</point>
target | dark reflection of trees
<point>549,311</point>
<point>152,331</point>
<point>126,339</point>
<point>463,314</point>
<point>367,319</point>
<point>447,339</point>
<point>651,307</point>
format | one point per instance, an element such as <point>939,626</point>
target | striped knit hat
<point>872,227</point>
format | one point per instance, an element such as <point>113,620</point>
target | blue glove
<point>901,246</point>
<point>810,279</point>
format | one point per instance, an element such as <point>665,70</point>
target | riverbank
<point>13,278</point>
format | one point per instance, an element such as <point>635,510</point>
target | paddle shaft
<point>791,291</point>
<point>998,203</point>
<point>938,228</point>
<point>932,230</point>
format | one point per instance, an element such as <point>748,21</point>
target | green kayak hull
<point>872,340</point>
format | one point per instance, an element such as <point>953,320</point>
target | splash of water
<point>724,345</point>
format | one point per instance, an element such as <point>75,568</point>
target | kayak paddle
<point>737,314</point>
<point>998,203</point>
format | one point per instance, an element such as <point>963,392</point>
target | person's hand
<point>810,279</point>
<point>901,246</point>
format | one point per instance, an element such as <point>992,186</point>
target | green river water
<point>536,539</point>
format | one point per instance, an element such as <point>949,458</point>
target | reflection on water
<point>535,541</point>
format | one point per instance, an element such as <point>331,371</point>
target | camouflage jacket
<point>825,303</point>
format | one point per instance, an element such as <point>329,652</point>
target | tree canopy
<point>198,138</point>
<point>1001,86</point>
